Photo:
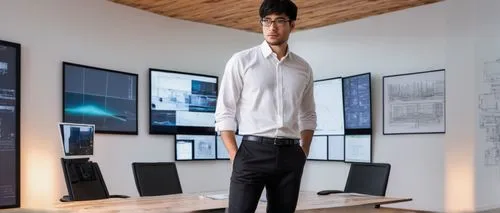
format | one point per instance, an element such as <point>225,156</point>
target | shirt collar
<point>267,51</point>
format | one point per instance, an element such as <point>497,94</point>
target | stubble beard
<point>276,43</point>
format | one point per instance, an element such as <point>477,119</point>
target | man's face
<point>276,28</point>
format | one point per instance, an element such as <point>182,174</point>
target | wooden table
<point>308,202</point>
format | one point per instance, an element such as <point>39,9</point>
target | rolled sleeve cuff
<point>226,125</point>
<point>307,125</point>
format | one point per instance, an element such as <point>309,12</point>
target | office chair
<point>365,178</point>
<point>158,178</point>
<point>84,181</point>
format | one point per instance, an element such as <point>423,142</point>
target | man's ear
<point>292,25</point>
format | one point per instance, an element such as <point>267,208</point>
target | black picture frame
<point>11,109</point>
<point>178,129</point>
<point>416,103</point>
<point>127,114</point>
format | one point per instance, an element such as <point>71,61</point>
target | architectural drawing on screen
<point>204,148</point>
<point>357,102</point>
<point>415,103</point>
<point>489,112</point>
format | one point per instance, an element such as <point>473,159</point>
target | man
<point>267,92</point>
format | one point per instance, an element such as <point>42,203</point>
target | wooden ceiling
<point>244,15</point>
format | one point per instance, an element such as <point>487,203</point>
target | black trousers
<point>258,165</point>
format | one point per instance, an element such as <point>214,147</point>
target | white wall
<point>406,41</point>
<point>486,49</point>
<point>460,102</point>
<point>103,34</point>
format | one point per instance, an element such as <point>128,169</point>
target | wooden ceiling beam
<point>244,15</point>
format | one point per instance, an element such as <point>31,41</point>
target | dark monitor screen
<point>105,98</point>
<point>357,103</point>
<point>157,178</point>
<point>9,124</point>
<point>182,103</point>
<point>368,178</point>
<point>77,139</point>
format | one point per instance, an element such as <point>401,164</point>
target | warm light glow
<point>41,179</point>
<point>459,182</point>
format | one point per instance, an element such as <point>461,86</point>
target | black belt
<point>273,141</point>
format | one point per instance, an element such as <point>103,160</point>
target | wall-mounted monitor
<point>329,107</point>
<point>336,148</point>
<point>77,139</point>
<point>222,153</point>
<point>105,98</point>
<point>357,104</point>
<point>195,147</point>
<point>10,131</point>
<point>319,148</point>
<point>184,149</point>
<point>182,103</point>
<point>358,148</point>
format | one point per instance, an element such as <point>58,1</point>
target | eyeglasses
<point>278,22</point>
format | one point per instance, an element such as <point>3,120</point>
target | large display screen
<point>9,124</point>
<point>357,104</point>
<point>105,98</point>
<point>182,103</point>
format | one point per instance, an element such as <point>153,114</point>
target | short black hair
<point>279,7</point>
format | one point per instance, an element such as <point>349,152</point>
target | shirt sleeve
<point>307,113</point>
<point>228,97</point>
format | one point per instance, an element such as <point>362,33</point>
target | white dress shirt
<point>264,96</point>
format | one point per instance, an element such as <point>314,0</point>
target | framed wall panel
<point>10,101</point>
<point>103,97</point>
<point>357,104</point>
<point>414,103</point>
<point>358,148</point>
<point>181,102</point>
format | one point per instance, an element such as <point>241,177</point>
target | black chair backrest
<point>83,179</point>
<point>368,178</point>
<point>159,178</point>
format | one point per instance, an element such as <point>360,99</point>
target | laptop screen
<point>77,139</point>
